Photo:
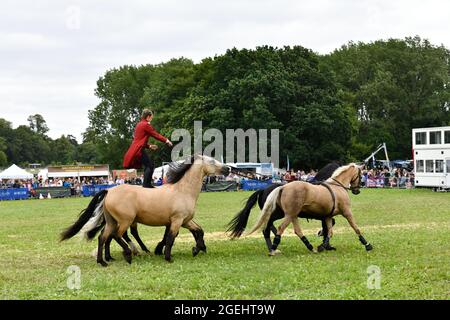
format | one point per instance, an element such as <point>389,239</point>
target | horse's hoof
<point>320,248</point>
<point>330,248</point>
<point>102,263</point>
<point>273,253</point>
<point>127,257</point>
<point>169,260</point>
<point>109,259</point>
<point>203,249</point>
<point>369,247</point>
<point>195,251</point>
<point>159,251</point>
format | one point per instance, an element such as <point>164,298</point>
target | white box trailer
<point>431,152</point>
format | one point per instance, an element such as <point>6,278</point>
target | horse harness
<point>333,196</point>
<point>339,184</point>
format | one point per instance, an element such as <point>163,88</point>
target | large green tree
<point>283,89</point>
<point>124,93</point>
<point>27,146</point>
<point>3,157</point>
<point>392,87</point>
<point>38,124</point>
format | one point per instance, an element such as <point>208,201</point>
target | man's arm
<point>155,134</point>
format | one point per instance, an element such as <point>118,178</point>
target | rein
<point>339,184</point>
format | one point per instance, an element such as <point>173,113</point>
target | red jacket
<point>143,131</point>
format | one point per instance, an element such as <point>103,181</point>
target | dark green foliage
<point>392,86</point>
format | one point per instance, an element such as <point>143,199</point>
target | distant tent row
<point>15,172</point>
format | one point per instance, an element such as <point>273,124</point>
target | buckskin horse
<point>326,200</point>
<point>172,205</point>
<point>238,224</point>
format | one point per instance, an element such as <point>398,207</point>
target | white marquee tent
<point>14,172</point>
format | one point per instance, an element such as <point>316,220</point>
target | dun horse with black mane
<point>326,200</point>
<point>172,206</point>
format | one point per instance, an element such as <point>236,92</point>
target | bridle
<point>339,184</point>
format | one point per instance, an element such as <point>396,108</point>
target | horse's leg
<point>102,238</point>
<point>130,243</point>
<point>286,221</point>
<point>266,234</point>
<point>120,231</point>
<point>198,233</point>
<point>324,231</point>
<point>107,249</point>
<point>299,233</point>
<point>160,246</point>
<point>351,220</point>
<point>126,250</point>
<point>134,232</point>
<point>171,235</point>
<point>276,215</point>
<point>273,229</point>
<point>328,233</point>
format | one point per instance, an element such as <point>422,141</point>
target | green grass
<point>408,228</point>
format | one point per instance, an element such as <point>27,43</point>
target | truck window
<point>421,138</point>
<point>419,166</point>
<point>435,137</point>
<point>447,136</point>
<point>439,166</point>
<point>429,167</point>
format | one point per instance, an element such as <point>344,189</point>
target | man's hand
<point>153,147</point>
<point>169,143</point>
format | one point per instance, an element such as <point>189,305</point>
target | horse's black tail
<point>94,210</point>
<point>237,225</point>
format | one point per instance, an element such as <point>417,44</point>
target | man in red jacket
<point>136,156</point>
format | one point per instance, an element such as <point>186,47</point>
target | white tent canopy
<point>14,172</point>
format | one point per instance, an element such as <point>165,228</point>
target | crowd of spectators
<point>76,185</point>
<point>399,177</point>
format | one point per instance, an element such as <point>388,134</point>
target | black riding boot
<point>149,167</point>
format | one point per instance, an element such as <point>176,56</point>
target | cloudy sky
<point>53,52</point>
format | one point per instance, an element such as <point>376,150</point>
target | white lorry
<point>431,152</point>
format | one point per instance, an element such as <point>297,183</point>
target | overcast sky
<point>53,52</point>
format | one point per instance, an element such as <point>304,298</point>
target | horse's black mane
<point>326,171</point>
<point>178,169</point>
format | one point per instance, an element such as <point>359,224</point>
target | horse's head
<point>213,167</point>
<point>355,183</point>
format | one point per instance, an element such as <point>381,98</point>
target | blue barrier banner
<point>255,184</point>
<point>91,190</point>
<point>14,194</point>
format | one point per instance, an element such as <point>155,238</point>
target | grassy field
<point>409,230</point>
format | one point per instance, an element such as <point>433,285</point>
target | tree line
<point>338,106</point>
<point>28,144</point>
